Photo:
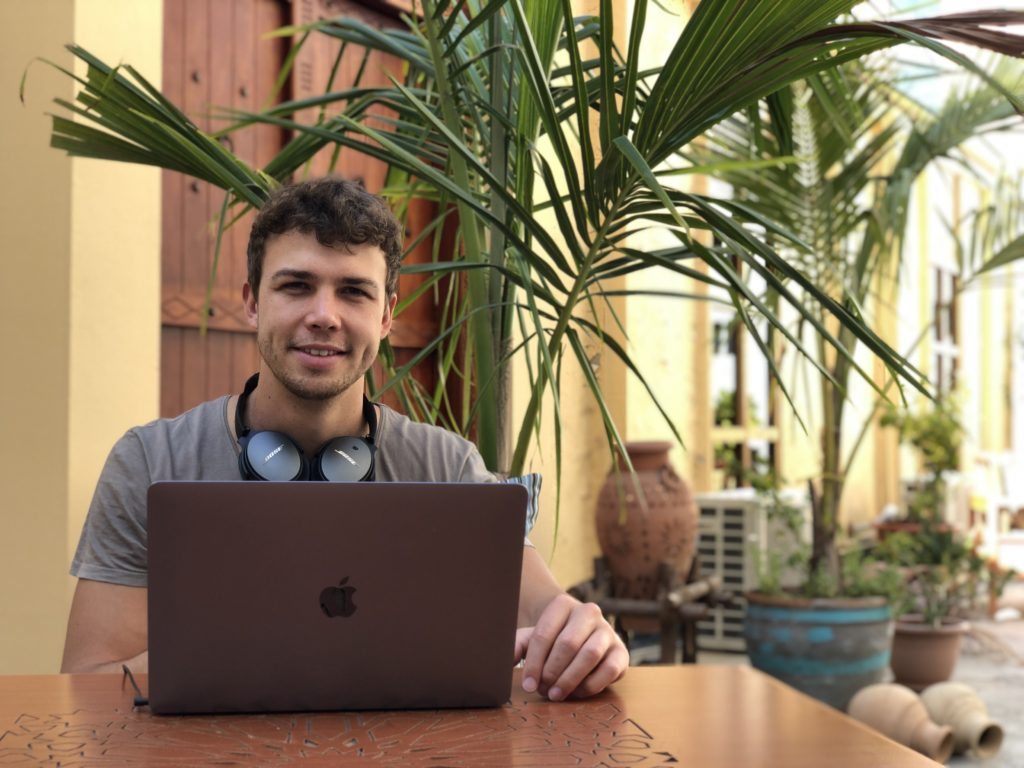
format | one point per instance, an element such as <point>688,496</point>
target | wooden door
<point>417,324</point>
<point>215,55</point>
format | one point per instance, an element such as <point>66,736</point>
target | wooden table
<point>687,716</point>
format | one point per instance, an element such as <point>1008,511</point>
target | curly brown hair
<point>338,212</point>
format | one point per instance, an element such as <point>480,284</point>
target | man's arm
<point>106,628</point>
<point>567,647</point>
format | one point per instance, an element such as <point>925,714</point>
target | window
<point>743,433</point>
<point>944,342</point>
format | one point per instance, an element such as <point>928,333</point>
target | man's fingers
<point>572,651</point>
<point>579,648</point>
<point>611,668</point>
<point>587,658</point>
<point>523,635</point>
<point>542,639</point>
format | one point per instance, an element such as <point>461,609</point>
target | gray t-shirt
<point>197,445</point>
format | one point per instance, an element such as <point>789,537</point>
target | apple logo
<point>337,601</point>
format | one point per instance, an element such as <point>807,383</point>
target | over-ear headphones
<point>268,455</point>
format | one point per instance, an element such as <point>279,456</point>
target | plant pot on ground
<point>943,571</point>
<point>828,638</point>
<point>945,578</point>
<point>947,581</point>
<point>829,648</point>
<point>924,653</point>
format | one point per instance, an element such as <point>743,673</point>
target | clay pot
<point>829,648</point>
<point>923,654</point>
<point>884,529</point>
<point>636,540</point>
<point>899,713</point>
<point>958,706</point>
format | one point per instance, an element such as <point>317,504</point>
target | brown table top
<point>693,716</point>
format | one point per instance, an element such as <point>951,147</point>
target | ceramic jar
<point>958,706</point>
<point>636,537</point>
<point>899,713</point>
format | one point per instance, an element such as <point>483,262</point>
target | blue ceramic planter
<point>827,648</point>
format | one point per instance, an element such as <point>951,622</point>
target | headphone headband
<point>241,430</point>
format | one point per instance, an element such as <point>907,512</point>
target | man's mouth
<point>318,352</point>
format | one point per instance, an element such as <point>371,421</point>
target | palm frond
<point>560,153</point>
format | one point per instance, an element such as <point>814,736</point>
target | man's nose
<point>323,310</point>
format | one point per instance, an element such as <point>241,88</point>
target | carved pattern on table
<point>594,734</point>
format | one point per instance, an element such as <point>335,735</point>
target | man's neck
<point>311,423</point>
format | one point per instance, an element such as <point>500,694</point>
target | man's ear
<point>389,315</point>
<point>252,311</point>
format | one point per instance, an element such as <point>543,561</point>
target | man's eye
<point>293,287</point>
<point>352,291</point>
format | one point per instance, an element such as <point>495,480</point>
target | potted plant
<point>831,140</point>
<point>486,87</point>
<point>824,641</point>
<point>937,433</point>
<point>943,574</point>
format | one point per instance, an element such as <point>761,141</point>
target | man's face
<point>320,314</point>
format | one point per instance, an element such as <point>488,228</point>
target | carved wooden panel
<point>689,715</point>
<point>591,735</point>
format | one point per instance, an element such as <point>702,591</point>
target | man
<point>323,262</point>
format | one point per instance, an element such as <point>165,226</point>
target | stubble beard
<point>309,387</point>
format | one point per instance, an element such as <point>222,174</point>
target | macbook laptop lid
<point>301,596</point>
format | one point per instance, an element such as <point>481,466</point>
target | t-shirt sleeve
<point>474,470</point>
<point>112,547</point>
<point>531,483</point>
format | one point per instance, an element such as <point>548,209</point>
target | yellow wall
<point>115,275</point>
<point>996,324</point>
<point>565,533</point>
<point>660,341</point>
<point>35,204</point>
<point>78,312</point>
<point>666,339</point>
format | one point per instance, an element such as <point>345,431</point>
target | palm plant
<point>558,154</point>
<point>847,196</point>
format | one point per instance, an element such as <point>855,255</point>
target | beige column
<point>35,213</point>
<point>78,311</point>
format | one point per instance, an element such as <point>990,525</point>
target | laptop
<point>302,596</point>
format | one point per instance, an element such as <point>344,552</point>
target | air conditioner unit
<point>736,534</point>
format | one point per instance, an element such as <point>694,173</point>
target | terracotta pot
<point>896,711</point>
<point>636,540</point>
<point>882,530</point>
<point>829,648</point>
<point>958,706</point>
<point>923,654</point>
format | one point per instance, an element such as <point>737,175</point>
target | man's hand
<point>571,651</point>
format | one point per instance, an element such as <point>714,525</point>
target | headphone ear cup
<point>344,460</point>
<point>271,456</point>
